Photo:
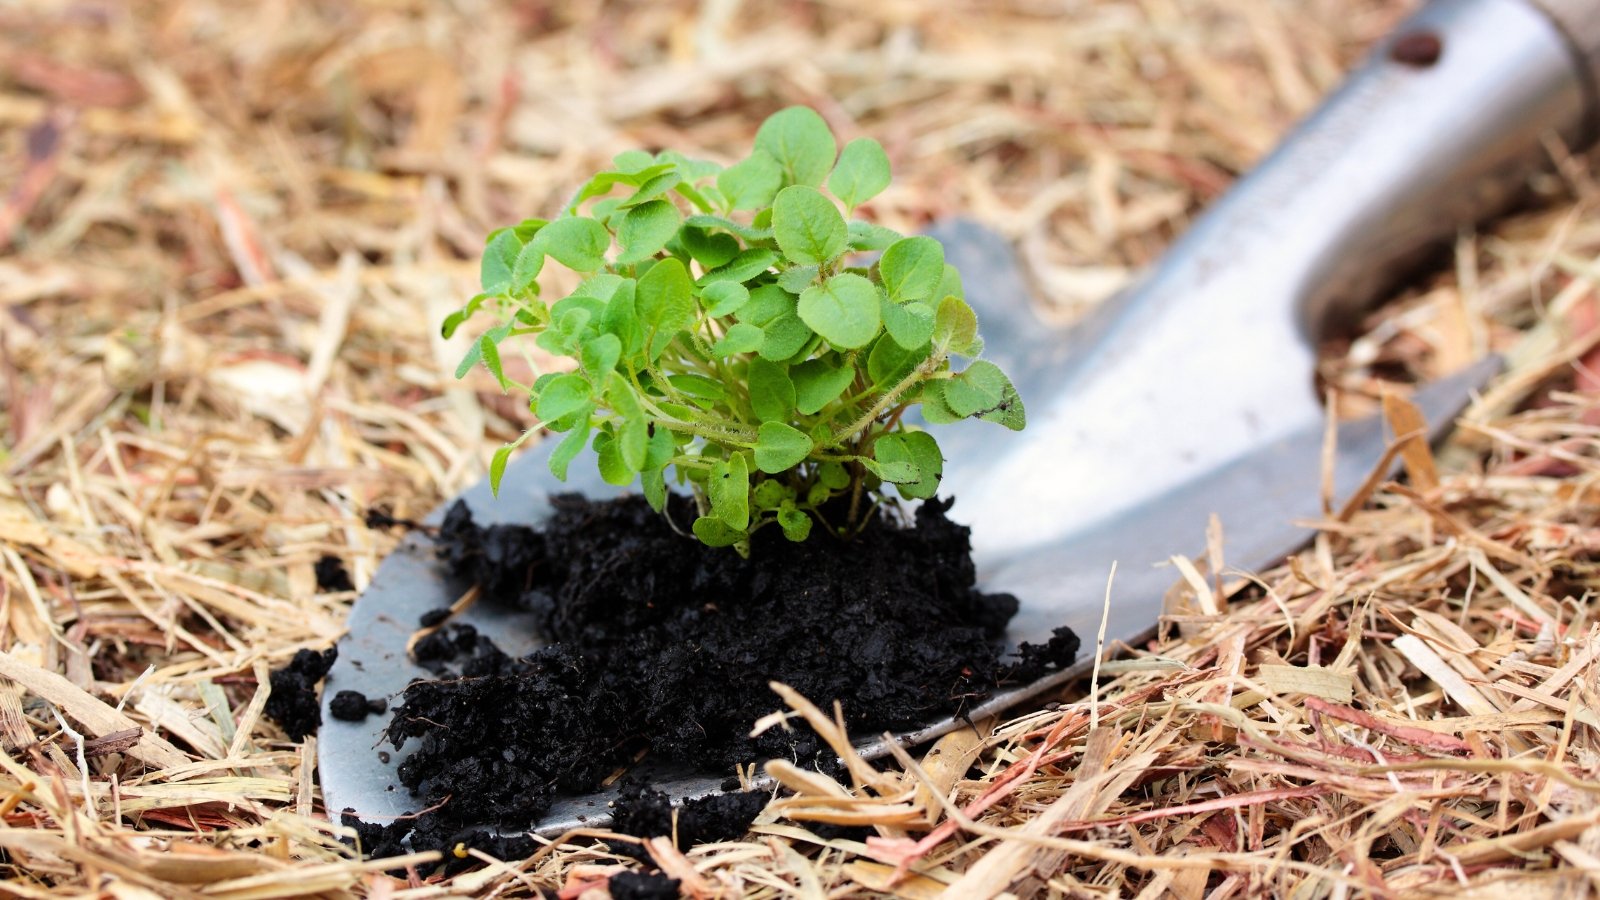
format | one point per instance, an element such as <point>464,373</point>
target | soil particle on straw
<point>293,701</point>
<point>664,647</point>
<point>331,574</point>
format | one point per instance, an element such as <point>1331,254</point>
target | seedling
<point>729,335</point>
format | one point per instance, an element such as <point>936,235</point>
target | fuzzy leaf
<point>798,278</point>
<point>563,396</point>
<point>809,228</point>
<point>729,491</point>
<point>912,268</point>
<point>752,182</point>
<point>499,259</point>
<point>935,411</point>
<point>983,391</point>
<point>713,532</point>
<point>801,143</point>
<point>613,468</point>
<point>724,298</point>
<point>861,173</point>
<point>910,325</point>
<point>570,446</point>
<point>871,236</point>
<point>600,354</point>
<point>771,391</point>
<point>844,310</point>
<point>525,271</point>
<point>956,326</point>
<point>747,265</point>
<point>577,242</point>
<point>665,301</point>
<point>818,383</point>
<point>921,451</point>
<point>897,471</point>
<point>497,468</point>
<point>708,248</point>
<point>785,336</point>
<point>780,448</point>
<point>796,524</point>
<point>740,338</point>
<point>646,229</point>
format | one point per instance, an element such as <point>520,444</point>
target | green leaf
<point>818,383</point>
<point>665,301</point>
<point>499,259</point>
<point>809,228</point>
<point>766,303</point>
<point>699,387</point>
<point>621,318</point>
<point>801,142</point>
<point>871,236</point>
<point>577,242</point>
<point>921,451</point>
<point>889,362</point>
<point>769,493</point>
<point>525,271</point>
<point>833,475</point>
<point>475,352</point>
<point>646,229</point>
<point>497,468</point>
<point>632,160</point>
<point>564,395</point>
<point>786,335</point>
<point>935,411</point>
<point>728,488</point>
<point>752,182</point>
<point>724,298</point>
<point>491,359</point>
<point>747,265</point>
<point>780,448</point>
<point>798,278</point>
<point>796,524</point>
<point>983,391</point>
<point>740,338</point>
<point>633,435</point>
<point>861,173</point>
<point>652,479</point>
<point>898,471</point>
<point>613,468</point>
<point>713,532</point>
<point>912,268</point>
<point>950,284</point>
<point>910,325</point>
<point>653,187</point>
<point>771,391</point>
<point>955,326</point>
<point>747,232</point>
<point>571,446</point>
<point>708,248</point>
<point>844,310</point>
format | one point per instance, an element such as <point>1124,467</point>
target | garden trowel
<point>1189,396</point>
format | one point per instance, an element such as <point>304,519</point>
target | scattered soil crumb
<point>331,575</point>
<point>660,646</point>
<point>642,886</point>
<point>293,702</point>
<point>353,706</point>
<point>642,812</point>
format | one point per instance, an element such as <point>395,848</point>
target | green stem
<point>888,400</point>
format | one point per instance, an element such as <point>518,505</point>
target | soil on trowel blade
<point>662,646</point>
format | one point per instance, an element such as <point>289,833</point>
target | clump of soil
<point>293,701</point>
<point>660,645</point>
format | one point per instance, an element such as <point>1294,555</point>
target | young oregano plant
<point>731,336</point>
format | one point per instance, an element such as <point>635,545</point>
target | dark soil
<point>664,647</point>
<point>293,701</point>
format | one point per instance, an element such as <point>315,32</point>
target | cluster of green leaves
<point>729,337</point>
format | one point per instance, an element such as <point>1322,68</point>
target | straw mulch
<point>230,228</point>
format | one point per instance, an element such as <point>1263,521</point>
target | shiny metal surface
<point>1190,395</point>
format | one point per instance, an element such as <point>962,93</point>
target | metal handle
<point>1211,354</point>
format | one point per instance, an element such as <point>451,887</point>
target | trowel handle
<point>1437,130</point>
